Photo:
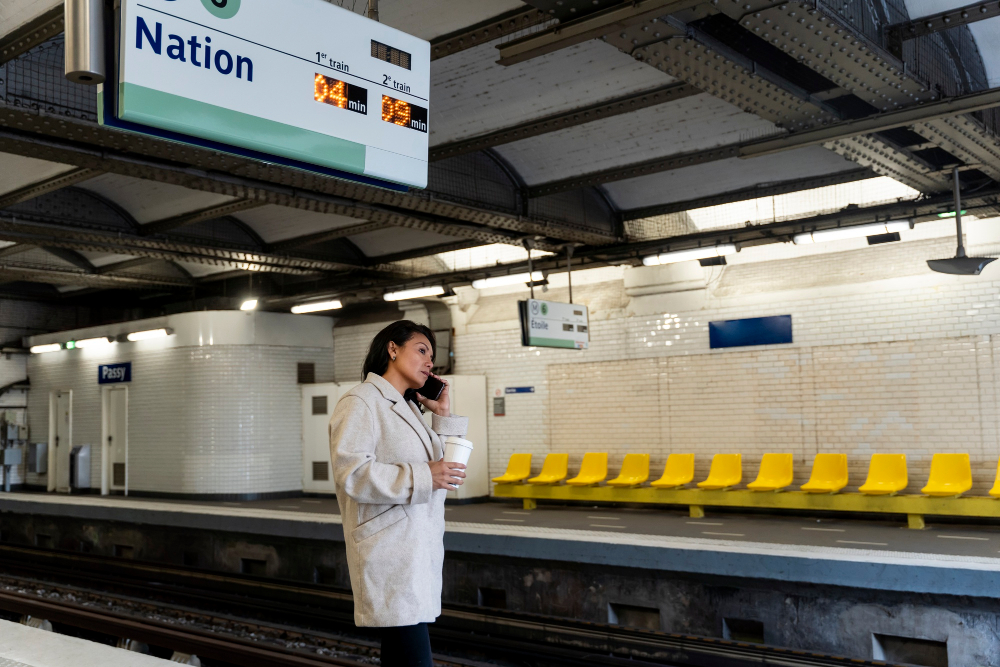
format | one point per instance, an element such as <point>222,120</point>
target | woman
<point>391,485</point>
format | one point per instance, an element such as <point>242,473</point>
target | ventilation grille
<point>321,471</point>
<point>307,373</point>
<point>319,405</point>
<point>118,474</point>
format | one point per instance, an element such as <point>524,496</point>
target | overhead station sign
<point>298,82</point>
<point>554,324</point>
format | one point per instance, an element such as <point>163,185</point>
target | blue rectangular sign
<point>114,373</point>
<point>519,390</point>
<point>754,331</point>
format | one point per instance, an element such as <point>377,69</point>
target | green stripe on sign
<point>551,342</point>
<point>207,121</point>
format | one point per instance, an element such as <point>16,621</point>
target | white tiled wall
<point>887,357</point>
<point>202,419</point>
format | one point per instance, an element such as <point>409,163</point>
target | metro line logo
<point>222,9</point>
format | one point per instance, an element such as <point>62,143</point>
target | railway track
<point>257,622</point>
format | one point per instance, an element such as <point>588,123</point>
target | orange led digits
<point>339,94</point>
<point>404,114</point>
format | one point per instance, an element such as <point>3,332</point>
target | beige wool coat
<point>393,518</point>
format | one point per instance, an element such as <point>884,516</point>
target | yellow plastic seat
<point>951,475</point>
<point>554,469</point>
<point>726,472</point>
<point>775,473</point>
<point>593,470</point>
<point>518,469</point>
<point>829,474</point>
<point>678,472</point>
<point>886,475</point>
<point>995,491</point>
<point>635,471</point>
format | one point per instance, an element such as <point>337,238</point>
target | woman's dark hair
<point>377,359</point>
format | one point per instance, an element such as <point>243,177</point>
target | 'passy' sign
<point>114,373</point>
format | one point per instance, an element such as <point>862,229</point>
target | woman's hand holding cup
<point>447,475</point>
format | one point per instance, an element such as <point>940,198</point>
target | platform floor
<point>21,646</point>
<point>957,559</point>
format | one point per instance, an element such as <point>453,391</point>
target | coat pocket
<point>393,515</point>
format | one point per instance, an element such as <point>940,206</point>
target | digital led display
<point>404,114</point>
<point>390,54</point>
<point>339,94</point>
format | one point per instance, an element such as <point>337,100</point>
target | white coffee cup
<point>457,450</point>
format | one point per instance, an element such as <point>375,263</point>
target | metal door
<point>116,439</point>
<point>62,439</point>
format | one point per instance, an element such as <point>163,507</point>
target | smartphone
<point>432,388</point>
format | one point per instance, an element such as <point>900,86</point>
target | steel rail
<point>180,638</point>
<point>526,635</point>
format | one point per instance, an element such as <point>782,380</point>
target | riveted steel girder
<point>928,25</point>
<point>63,180</point>
<point>822,41</point>
<point>588,114</point>
<point>753,192</point>
<point>966,139</point>
<point>596,25</point>
<point>31,34</point>
<point>504,25</point>
<point>209,213</point>
<point>92,146</point>
<point>60,236</point>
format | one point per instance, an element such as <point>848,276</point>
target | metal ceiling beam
<point>202,215</point>
<point>497,27</point>
<point>86,144</point>
<point>70,257</point>
<point>16,249</point>
<point>126,265</point>
<point>63,180</point>
<point>928,25</point>
<point>944,108</point>
<point>323,237</point>
<point>31,34</point>
<point>753,192</point>
<point>920,210</point>
<point>381,260</point>
<point>52,234</point>
<point>588,27</point>
<point>561,121</point>
<point>54,276</point>
<point>831,133</point>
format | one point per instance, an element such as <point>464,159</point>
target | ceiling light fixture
<point>249,304</point>
<point>960,264</point>
<point>858,231</point>
<point>418,293</point>
<point>320,306</point>
<point>513,279</point>
<point>147,335</point>
<point>42,349</point>
<point>689,255</point>
<point>103,341</point>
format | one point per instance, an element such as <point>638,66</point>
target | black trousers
<point>406,646</point>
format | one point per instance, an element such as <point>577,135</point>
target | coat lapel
<point>403,409</point>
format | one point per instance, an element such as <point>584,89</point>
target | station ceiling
<point>563,122</point>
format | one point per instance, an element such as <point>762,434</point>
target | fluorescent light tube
<point>498,281</point>
<point>42,349</point>
<point>688,255</point>
<point>147,335</point>
<point>418,293</point>
<point>840,233</point>
<point>93,342</point>
<point>317,307</point>
<point>249,304</point>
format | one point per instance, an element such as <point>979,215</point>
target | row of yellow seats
<point>951,474</point>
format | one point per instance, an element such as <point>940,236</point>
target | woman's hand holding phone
<point>441,406</point>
